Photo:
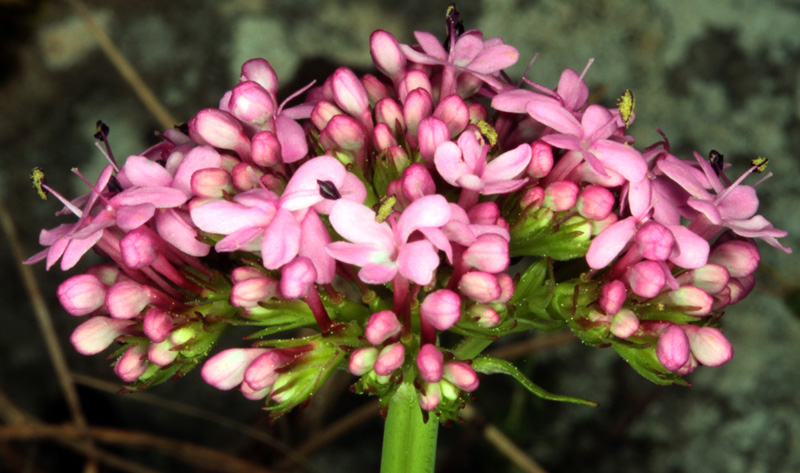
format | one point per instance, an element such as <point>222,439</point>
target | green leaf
<point>491,365</point>
<point>643,359</point>
<point>409,438</point>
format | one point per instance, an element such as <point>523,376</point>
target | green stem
<point>409,444</point>
<point>470,347</point>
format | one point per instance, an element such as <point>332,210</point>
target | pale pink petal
<point>610,242</point>
<point>554,116</point>
<point>417,261</point>
<point>494,59</point>
<point>144,172</point>
<point>571,142</point>
<point>281,240</point>
<point>77,248</point>
<point>303,191</point>
<point>508,165</point>
<point>130,217</point>
<point>449,162</point>
<point>160,197</point>
<point>314,238</point>
<point>377,273</point>
<point>201,157</point>
<point>292,139</point>
<point>622,158</point>
<point>359,254</point>
<point>691,250</point>
<point>245,239</point>
<point>356,222</point>
<point>176,228</point>
<point>221,216</point>
<point>430,211</point>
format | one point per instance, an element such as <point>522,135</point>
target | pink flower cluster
<point>386,210</point>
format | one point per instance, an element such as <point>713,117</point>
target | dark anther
<point>102,131</point>
<point>453,25</point>
<point>717,161</point>
<point>113,185</point>
<point>328,191</point>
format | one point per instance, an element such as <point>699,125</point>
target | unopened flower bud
<point>453,111</point>
<point>709,346</point>
<point>157,324</point>
<point>429,396</point>
<point>461,375</point>
<point>479,286</point>
<point>220,130</point>
<point>673,348</point>
<point>595,202</point>
<point>417,182</point>
<point>259,70</point>
<point>484,315</point>
<point>647,278</point>
<point>411,81</point>
<point>138,248</point>
<point>612,296</point>
<point>431,132</point>
<point>225,370</point>
<point>212,183</point>
<point>690,300</point>
<point>441,308</point>
<point>132,363</point>
<point>541,159</point>
<point>624,323</point>
<point>322,113</point>
<point>712,278</point>
<point>97,334</point>
<point>382,326</point>
<point>245,272</point>
<point>430,363</point>
<point>262,372</point>
<point>374,87</point>
<point>349,93</point>
<point>362,360</point>
<point>250,292</point>
<point>740,257</point>
<point>386,54</point>
<point>655,241</point>
<point>297,278</point>
<point>265,149</point>
<point>245,176</point>
<point>418,105</point>
<point>344,132</point>
<point>162,353</point>
<point>81,294</point>
<point>477,113</point>
<point>489,253</point>
<point>506,283</point>
<point>532,198</point>
<point>485,213</point>
<point>390,112</point>
<point>389,359</point>
<point>126,299</point>
<point>251,103</point>
<point>382,137</point>
<point>560,195</point>
<point>399,156</point>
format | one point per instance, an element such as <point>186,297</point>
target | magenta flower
<point>382,250</point>
<point>589,138</point>
<point>464,165</point>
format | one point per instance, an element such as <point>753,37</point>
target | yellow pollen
<point>626,103</point>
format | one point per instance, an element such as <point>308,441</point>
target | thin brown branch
<point>504,445</point>
<point>181,408</point>
<point>193,454</point>
<point>45,322</point>
<point>337,429</point>
<point>530,345</point>
<point>124,67</point>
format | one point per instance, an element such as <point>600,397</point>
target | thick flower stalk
<point>384,210</point>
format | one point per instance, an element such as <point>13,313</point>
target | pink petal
<point>201,157</point>
<point>241,239</point>
<point>622,158</point>
<point>160,197</point>
<point>691,250</point>
<point>292,139</point>
<point>303,191</point>
<point>554,116</point>
<point>418,261</point>
<point>144,172</point>
<point>508,165</point>
<point>447,159</point>
<point>221,216</point>
<point>176,229</point>
<point>430,211</point>
<point>610,242</point>
<point>377,273</point>
<point>130,217</point>
<point>314,239</point>
<point>431,45</point>
<point>281,240</point>
<point>356,222</point>
<point>673,348</point>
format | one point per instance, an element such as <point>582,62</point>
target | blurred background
<point>711,74</point>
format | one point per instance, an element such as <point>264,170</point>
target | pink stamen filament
<point>320,314</point>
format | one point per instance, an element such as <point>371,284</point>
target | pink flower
<point>464,165</point>
<point>589,138</point>
<point>382,250</point>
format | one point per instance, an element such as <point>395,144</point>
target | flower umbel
<point>384,210</point>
